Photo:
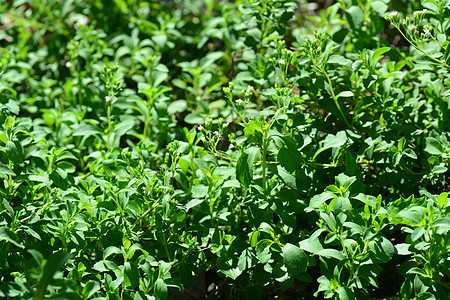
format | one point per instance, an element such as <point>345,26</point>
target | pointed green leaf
<point>131,275</point>
<point>161,291</point>
<point>244,166</point>
<point>295,259</point>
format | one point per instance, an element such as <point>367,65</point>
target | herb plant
<point>246,149</point>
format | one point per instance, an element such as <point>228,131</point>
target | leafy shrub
<point>224,149</point>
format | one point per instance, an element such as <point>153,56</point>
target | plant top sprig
<point>110,76</point>
<point>239,105</point>
<point>414,32</point>
<point>211,137</point>
<point>282,60</point>
<point>318,50</point>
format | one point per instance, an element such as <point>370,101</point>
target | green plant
<point>224,149</point>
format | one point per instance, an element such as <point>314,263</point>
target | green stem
<point>109,126</point>
<point>420,49</point>
<point>166,249</point>
<point>335,99</point>
<point>355,274</point>
<point>10,185</point>
<point>263,35</point>
<point>316,164</point>
<point>32,23</point>
<point>263,161</point>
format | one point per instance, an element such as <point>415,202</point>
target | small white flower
<point>424,11</point>
<point>68,64</point>
<point>415,14</point>
<point>413,28</point>
<point>200,127</point>
<point>108,98</point>
<point>239,102</point>
<point>217,134</point>
<point>427,32</point>
<point>394,14</point>
<point>203,139</point>
<point>282,62</point>
<point>249,89</point>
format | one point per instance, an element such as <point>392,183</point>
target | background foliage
<point>224,149</point>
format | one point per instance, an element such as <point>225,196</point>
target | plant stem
<point>335,99</point>
<point>263,160</point>
<point>166,249</point>
<point>108,146</point>
<point>420,49</point>
<point>263,35</point>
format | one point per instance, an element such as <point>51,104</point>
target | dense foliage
<point>247,149</point>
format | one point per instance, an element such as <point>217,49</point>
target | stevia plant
<point>354,225</point>
<point>426,222</point>
<point>224,149</point>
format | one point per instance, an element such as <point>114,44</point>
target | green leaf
<point>54,263</point>
<point>244,166</point>
<point>194,118</point>
<point>5,170</point>
<point>345,293</point>
<point>253,126</point>
<point>351,167</point>
<point>161,290</point>
<point>131,275</point>
<point>231,183</point>
<point>340,204</point>
<point>295,259</point>
<point>417,233</point>
<point>345,94</point>
<point>87,130</point>
<point>332,141</point>
<point>403,249</point>
<point>121,129</point>
<point>247,260</point>
<point>290,159</point>
<point>3,87</point>
<point>358,228</point>
<point>288,179</point>
<point>344,181</point>
<point>381,249</point>
<point>380,7</point>
<point>193,203</point>
<point>199,191</point>
<point>90,289</point>
<point>443,223</point>
<point>265,227</point>
<point>377,53</point>
<point>121,4</point>
<point>447,54</point>
<point>263,250</point>
<point>312,245</point>
<point>14,151</point>
<point>331,253</point>
<point>433,146</point>
<point>7,235</point>
<point>233,273</point>
<point>111,250</point>
<point>210,58</point>
<point>177,106</point>
<point>355,17</point>
<point>442,200</point>
<point>253,238</point>
<point>318,200</point>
